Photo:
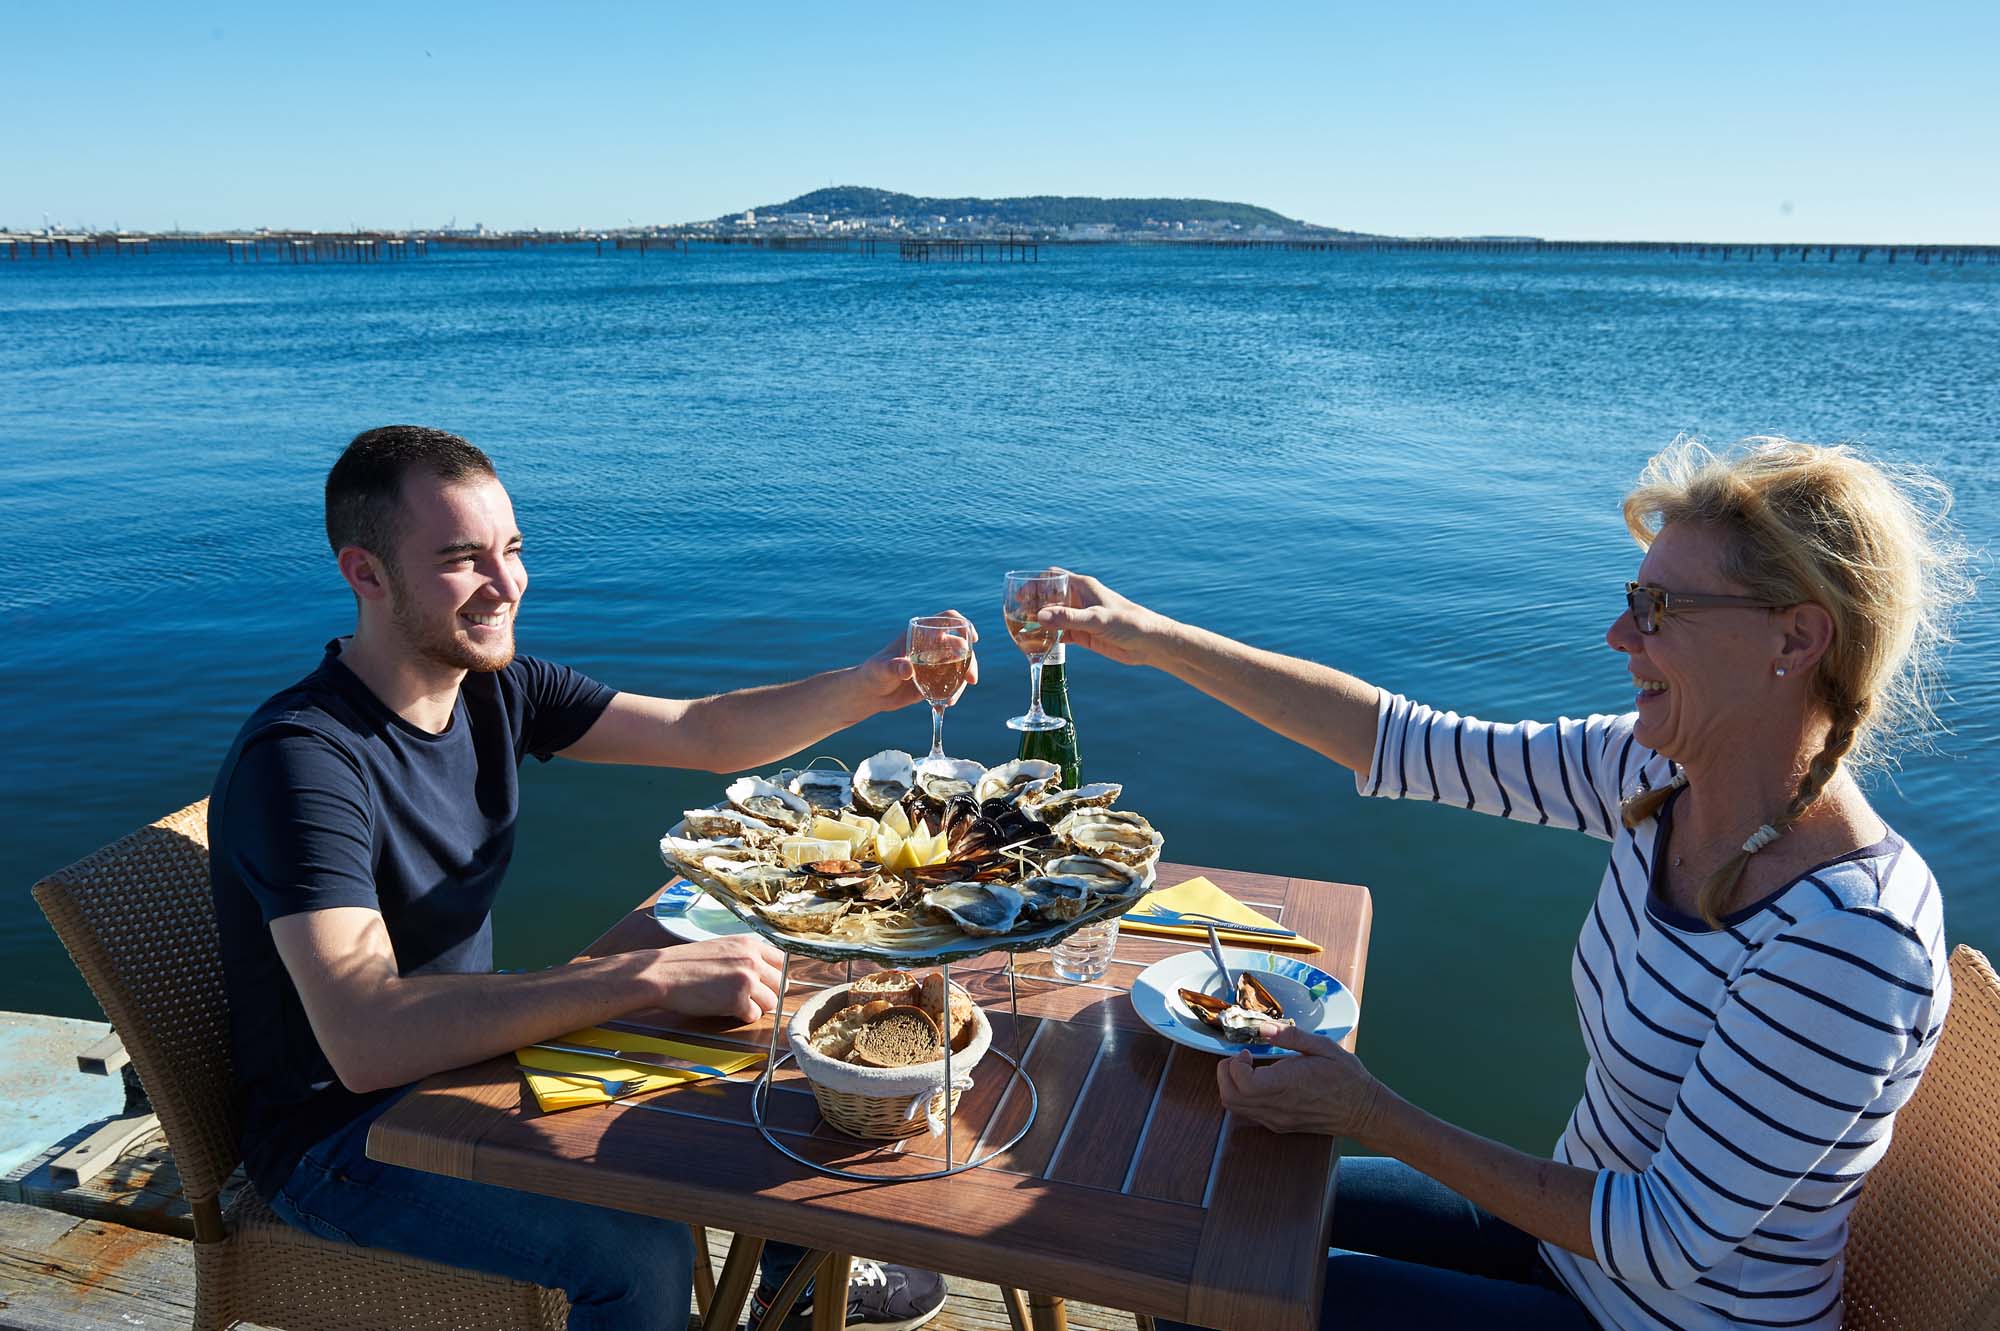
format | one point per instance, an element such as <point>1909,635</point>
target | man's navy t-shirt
<point>328,798</point>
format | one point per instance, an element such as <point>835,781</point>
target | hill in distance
<point>1043,211</point>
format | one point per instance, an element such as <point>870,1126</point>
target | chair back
<point>139,922</point>
<point>1923,1247</point>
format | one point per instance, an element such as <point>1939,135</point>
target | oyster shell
<point>712,824</point>
<point>883,778</point>
<point>1053,805</point>
<point>804,912</point>
<point>1238,1021</point>
<point>1107,880</point>
<point>981,909</point>
<point>1111,834</point>
<point>768,802</point>
<point>826,789</point>
<point>949,776</point>
<point>1056,898</point>
<point>751,879</point>
<point>1015,780</point>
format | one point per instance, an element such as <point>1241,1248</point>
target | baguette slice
<point>931,998</point>
<point>834,1035</point>
<point>899,987</point>
<point>898,1038</point>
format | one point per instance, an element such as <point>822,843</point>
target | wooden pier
<point>1008,250</point>
<point>1726,251</point>
<point>379,247</point>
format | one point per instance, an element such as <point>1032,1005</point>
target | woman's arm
<point>1331,1092</point>
<point>1327,711</point>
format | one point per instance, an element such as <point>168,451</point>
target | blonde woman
<point>1761,977</point>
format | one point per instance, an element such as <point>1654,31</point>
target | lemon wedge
<point>826,829</point>
<point>805,850</point>
<point>897,821</point>
<point>903,856</point>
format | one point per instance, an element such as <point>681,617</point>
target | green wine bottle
<point>1056,746</point>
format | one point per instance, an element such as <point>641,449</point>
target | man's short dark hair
<point>365,488</point>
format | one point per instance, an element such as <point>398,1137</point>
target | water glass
<point>1086,954</point>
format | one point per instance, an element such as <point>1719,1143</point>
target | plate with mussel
<point>1183,998</point>
<point>905,862</point>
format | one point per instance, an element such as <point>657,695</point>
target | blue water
<point>741,467</point>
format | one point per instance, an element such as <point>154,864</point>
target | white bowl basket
<point>882,1104</point>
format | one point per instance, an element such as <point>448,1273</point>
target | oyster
<point>688,850</point>
<point>847,878</point>
<point>1052,805</point>
<point>825,789</point>
<point>882,779</point>
<point>946,777</point>
<point>981,909</point>
<point>1015,780</point>
<point>1107,880</point>
<point>768,802</point>
<point>713,824</point>
<point>1111,834</point>
<point>1055,898</point>
<point>753,879</point>
<point>804,912</point>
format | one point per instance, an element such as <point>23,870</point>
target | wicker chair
<point>1923,1249</point>
<point>139,923</point>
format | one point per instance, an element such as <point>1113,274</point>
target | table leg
<point>1046,1312</point>
<point>788,1293</point>
<point>739,1269</point>
<point>704,1274</point>
<point>1016,1304</point>
<point>830,1295</point>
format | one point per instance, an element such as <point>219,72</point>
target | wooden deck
<point>116,1253</point>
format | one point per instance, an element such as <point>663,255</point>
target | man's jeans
<point>621,1271</point>
<point>1410,1254</point>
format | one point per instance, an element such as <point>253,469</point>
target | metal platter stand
<point>760,1096</point>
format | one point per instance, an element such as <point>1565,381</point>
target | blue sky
<point>1584,120</point>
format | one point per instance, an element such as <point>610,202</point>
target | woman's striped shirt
<point>1742,1080</point>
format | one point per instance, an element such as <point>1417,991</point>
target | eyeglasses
<point>1651,604</point>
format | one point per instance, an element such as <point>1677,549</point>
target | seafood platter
<point>904,863</point>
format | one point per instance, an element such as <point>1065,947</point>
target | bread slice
<point>834,1035</point>
<point>930,997</point>
<point>896,1039</point>
<point>899,987</point>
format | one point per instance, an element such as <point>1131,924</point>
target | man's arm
<point>380,1028</point>
<point>730,732</point>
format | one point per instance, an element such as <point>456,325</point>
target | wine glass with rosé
<point>1028,591</point>
<point>940,652</point>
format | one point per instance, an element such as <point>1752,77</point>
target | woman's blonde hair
<point>1867,542</point>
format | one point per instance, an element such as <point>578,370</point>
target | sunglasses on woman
<point>1650,604</point>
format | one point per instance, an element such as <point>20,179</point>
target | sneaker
<point>879,1295</point>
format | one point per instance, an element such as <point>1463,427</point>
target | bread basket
<point>882,1104</point>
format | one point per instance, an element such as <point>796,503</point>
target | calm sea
<point>736,468</point>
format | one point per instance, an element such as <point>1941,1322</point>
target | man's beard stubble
<point>447,649</point>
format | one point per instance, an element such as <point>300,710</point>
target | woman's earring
<point>1781,672</point>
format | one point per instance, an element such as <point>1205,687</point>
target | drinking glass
<point>940,654</point>
<point>1028,590</point>
<point>1086,954</point>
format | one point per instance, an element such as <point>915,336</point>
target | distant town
<point>851,212</point>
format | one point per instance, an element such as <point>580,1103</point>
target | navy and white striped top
<point>1742,1081</point>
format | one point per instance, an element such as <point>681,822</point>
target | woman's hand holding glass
<point>890,677</point>
<point>1100,620</point>
<point>1029,592</point>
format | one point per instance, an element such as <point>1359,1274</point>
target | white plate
<point>1328,1006</point>
<point>693,916</point>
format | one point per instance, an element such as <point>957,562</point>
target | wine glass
<point>940,654</point>
<point>1028,590</point>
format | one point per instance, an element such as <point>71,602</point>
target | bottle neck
<point>1055,656</point>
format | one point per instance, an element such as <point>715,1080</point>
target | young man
<point>360,827</point>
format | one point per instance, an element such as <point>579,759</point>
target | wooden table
<point>1132,1188</point>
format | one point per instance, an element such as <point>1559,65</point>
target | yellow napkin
<point>553,1090</point>
<point>1199,895</point>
